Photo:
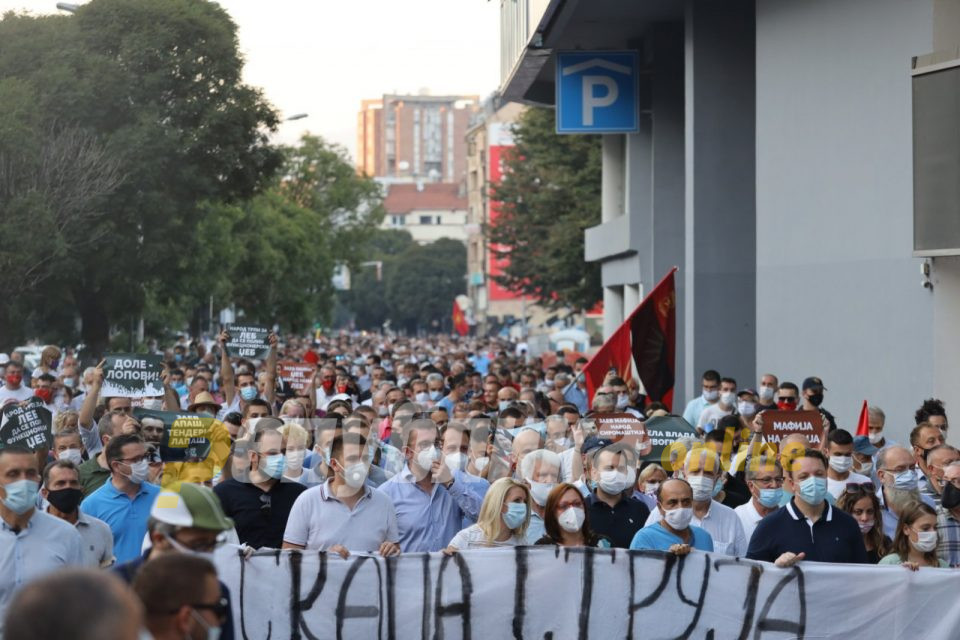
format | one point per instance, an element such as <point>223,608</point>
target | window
<point>426,219</point>
<point>397,221</point>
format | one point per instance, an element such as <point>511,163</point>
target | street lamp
<point>68,6</point>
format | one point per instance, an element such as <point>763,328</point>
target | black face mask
<point>65,500</point>
<point>816,399</point>
<point>951,496</point>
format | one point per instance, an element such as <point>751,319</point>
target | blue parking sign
<point>598,92</point>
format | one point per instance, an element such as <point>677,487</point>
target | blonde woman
<point>504,517</point>
<point>49,363</point>
<point>298,443</point>
<point>65,420</point>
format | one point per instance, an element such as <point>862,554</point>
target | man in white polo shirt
<point>343,514</point>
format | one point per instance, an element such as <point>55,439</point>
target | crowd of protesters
<point>400,445</point>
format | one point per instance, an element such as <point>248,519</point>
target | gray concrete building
<point>774,167</point>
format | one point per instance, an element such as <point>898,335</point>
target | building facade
<point>414,137</point>
<point>773,166</point>
<point>488,138</point>
<point>429,211</point>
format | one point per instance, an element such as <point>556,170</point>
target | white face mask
<point>746,409</point>
<point>631,477</point>
<point>841,464</point>
<point>679,518</point>
<point>926,541</point>
<point>355,475</point>
<point>766,394</point>
<point>422,398</point>
<point>294,461</point>
<point>728,398</point>
<point>711,396</point>
<point>455,461</point>
<point>481,463</point>
<point>613,481</point>
<point>875,437</point>
<point>650,488</point>
<point>73,455</point>
<point>426,458</point>
<point>866,468</point>
<point>562,443</point>
<point>702,487</point>
<point>540,490</point>
<point>866,526</point>
<point>622,401</point>
<point>572,519</point>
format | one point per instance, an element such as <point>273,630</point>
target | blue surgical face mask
<point>503,404</point>
<point>771,497</point>
<point>434,395</point>
<point>21,496</point>
<point>273,466</point>
<point>248,393</point>
<point>515,515</point>
<point>813,490</point>
<point>906,480</point>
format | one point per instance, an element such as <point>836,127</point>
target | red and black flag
<point>647,339</point>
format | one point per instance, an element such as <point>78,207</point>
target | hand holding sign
<point>249,341</point>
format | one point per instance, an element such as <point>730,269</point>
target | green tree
<point>549,194</point>
<point>158,83</point>
<point>367,297</point>
<point>421,284</point>
<point>285,243</point>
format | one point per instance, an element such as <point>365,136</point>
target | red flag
<point>864,422</point>
<point>459,320</point>
<point>648,339</point>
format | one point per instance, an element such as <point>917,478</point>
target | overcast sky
<point>323,57</point>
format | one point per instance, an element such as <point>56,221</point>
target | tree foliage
<point>136,168</point>
<point>550,193</point>
<point>418,285</point>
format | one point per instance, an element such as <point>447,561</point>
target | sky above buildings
<point>322,57</point>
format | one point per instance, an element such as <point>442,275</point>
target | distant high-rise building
<point>414,137</point>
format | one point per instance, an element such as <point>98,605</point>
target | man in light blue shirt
<point>458,388</point>
<point>711,393</point>
<point>431,501</point>
<point>32,543</point>
<point>673,533</point>
<point>125,500</point>
<point>572,392</point>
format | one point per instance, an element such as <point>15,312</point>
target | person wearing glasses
<point>565,520</point>
<point>124,501</point>
<point>948,516</point>
<point>840,463</point>
<point>765,481</point>
<point>860,501</point>
<point>182,599</point>
<point>191,522</point>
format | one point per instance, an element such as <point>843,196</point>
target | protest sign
<point>664,431</point>
<point>625,428</point>
<point>297,374</point>
<point>779,424</point>
<point>248,341</point>
<point>514,593</point>
<point>132,375</point>
<point>27,425</point>
<point>188,437</point>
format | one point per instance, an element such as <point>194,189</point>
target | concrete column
<point>631,298</point>
<point>720,204</point>
<point>612,181</point>
<point>945,276</point>
<point>612,310</point>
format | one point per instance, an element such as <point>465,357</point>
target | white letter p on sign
<point>590,102</point>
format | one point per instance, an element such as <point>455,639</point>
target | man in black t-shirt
<point>260,507</point>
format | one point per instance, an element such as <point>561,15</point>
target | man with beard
<point>897,473</point>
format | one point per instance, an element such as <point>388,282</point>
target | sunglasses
<point>861,487</point>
